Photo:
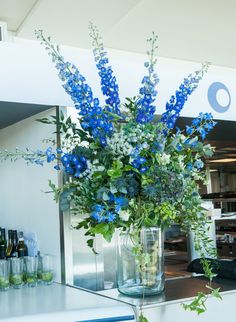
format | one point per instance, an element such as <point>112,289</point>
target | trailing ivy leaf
<point>198,304</point>
<point>90,242</point>
<point>142,318</point>
<point>215,292</point>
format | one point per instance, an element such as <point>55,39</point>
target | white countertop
<point>58,303</point>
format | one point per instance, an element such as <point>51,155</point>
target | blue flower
<point>203,124</point>
<point>143,169</point>
<point>179,147</point>
<point>189,130</point>
<point>189,166</point>
<point>74,164</point>
<point>108,81</point>
<point>110,216</point>
<point>158,147</point>
<point>100,214</point>
<point>147,93</point>
<point>199,164</point>
<point>176,103</point>
<point>98,208</point>
<point>50,156</point>
<point>121,203</point>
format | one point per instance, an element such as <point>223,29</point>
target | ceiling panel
<point>67,20</point>
<point>187,29</point>
<point>13,12</point>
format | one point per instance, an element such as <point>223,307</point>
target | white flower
<point>124,215</point>
<point>181,161</point>
<point>164,159</point>
<point>119,144</point>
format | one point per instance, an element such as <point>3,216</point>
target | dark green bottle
<point>9,244</point>
<point>21,247</point>
<point>14,242</point>
<point>2,244</point>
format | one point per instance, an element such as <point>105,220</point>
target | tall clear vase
<point>140,269</point>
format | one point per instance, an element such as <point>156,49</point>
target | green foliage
<point>142,318</point>
<point>198,304</point>
<point>116,170</point>
<point>105,229</point>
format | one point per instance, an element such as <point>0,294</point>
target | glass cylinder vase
<point>140,269</point>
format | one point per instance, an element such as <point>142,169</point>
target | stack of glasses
<point>30,271</point>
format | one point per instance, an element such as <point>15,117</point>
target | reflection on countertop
<point>176,290</point>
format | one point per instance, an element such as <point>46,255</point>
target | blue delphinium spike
<point>94,120</point>
<point>109,84</point>
<point>201,125</point>
<point>148,93</point>
<point>177,101</point>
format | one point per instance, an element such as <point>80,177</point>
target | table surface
<point>61,298</point>
<point>176,290</point>
<point>57,298</point>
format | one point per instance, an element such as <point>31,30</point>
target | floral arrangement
<point>124,166</point>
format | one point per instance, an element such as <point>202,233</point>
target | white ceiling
<point>187,29</point>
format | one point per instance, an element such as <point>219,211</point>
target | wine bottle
<point>4,241</point>
<point>2,244</point>
<point>22,249</point>
<point>9,244</point>
<point>14,242</point>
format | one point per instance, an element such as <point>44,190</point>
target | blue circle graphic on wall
<point>212,97</point>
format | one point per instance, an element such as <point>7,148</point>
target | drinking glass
<point>4,275</point>
<point>47,269</point>
<point>31,265</point>
<point>16,272</point>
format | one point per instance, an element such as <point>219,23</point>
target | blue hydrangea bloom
<point>121,203</point>
<point>100,214</point>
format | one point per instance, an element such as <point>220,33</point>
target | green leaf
<point>113,188</point>
<point>142,318</point>
<point>123,190</point>
<point>128,168</point>
<point>105,230</point>
<point>105,196</point>
<point>90,242</point>
<point>44,120</point>
<point>100,228</point>
<point>64,200</point>
<point>116,173</point>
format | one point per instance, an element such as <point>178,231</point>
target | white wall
<point>23,203</point>
<point>27,75</point>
